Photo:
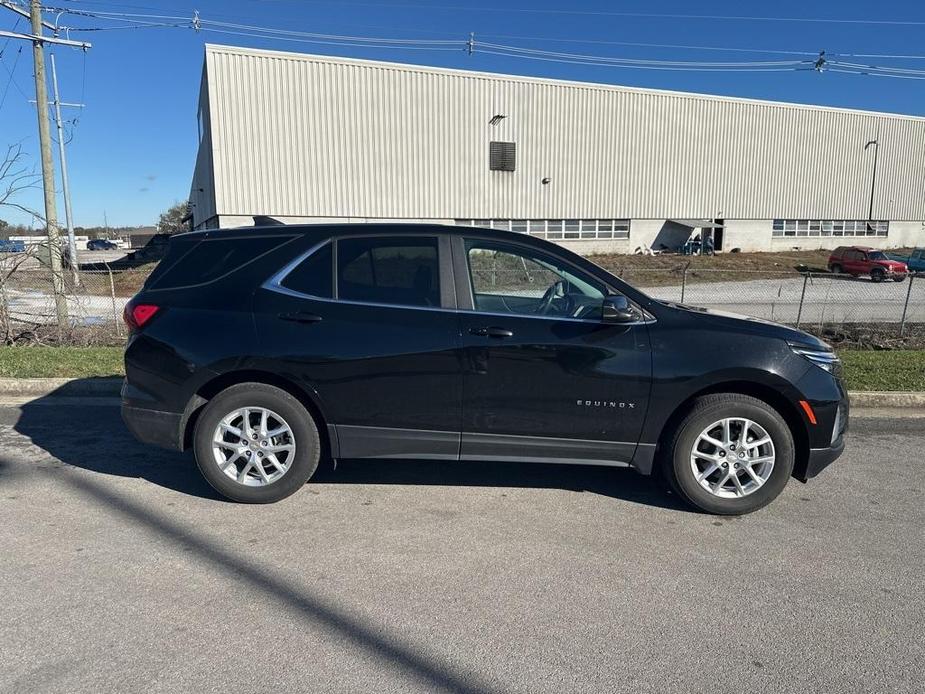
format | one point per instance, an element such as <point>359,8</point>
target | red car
<point>861,260</point>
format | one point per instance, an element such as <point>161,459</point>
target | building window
<point>558,229</point>
<point>502,156</point>
<point>829,227</point>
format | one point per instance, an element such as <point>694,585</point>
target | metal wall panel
<point>202,189</point>
<point>302,135</point>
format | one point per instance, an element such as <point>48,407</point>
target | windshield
<point>877,255</point>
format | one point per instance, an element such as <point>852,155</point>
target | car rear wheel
<point>731,454</point>
<point>877,275</point>
<point>256,443</point>
<point>837,269</point>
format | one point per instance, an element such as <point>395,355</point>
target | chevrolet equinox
<point>264,349</point>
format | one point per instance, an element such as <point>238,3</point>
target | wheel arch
<point>208,390</point>
<point>767,394</point>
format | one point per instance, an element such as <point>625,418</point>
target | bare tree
<point>15,179</point>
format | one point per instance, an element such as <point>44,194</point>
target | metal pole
<point>115,308</point>
<point>71,243</point>
<point>902,322</point>
<point>684,282</point>
<point>873,178</point>
<point>48,166</point>
<point>802,297</point>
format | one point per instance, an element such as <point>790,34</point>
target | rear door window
<point>314,275</point>
<point>402,271</point>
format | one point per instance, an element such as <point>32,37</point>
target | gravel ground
<point>827,299</point>
<point>123,572</point>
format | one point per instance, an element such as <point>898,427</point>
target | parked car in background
<point>8,246</point>
<point>101,245</point>
<point>264,349</point>
<point>861,260</point>
<point>915,261</point>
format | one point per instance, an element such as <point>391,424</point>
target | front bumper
<point>151,426</point>
<point>820,458</point>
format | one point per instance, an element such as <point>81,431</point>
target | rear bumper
<point>154,427</point>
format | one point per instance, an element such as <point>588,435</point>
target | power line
<point>11,73</point>
<point>766,51</point>
<point>288,32</point>
<point>688,63</point>
<point>511,51</point>
<point>644,15</point>
<point>329,43</point>
<point>640,67</point>
<point>11,80</point>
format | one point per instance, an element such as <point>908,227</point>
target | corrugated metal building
<point>306,138</point>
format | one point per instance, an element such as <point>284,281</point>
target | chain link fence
<point>811,300</point>
<point>815,301</point>
<point>93,304</point>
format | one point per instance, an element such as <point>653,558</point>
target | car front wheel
<point>731,454</point>
<point>877,275</point>
<point>256,443</point>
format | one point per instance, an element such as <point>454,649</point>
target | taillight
<point>137,315</point>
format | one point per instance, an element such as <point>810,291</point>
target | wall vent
<point>502,156</point>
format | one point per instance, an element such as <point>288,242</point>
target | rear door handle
<point>492,332</point>
<point>301,317</point>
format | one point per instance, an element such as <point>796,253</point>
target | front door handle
<point>492,332</point>
<point>301,317</point>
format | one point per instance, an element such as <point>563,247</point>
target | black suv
<point>263,349</point>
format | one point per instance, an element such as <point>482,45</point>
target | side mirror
<point>618,309</point>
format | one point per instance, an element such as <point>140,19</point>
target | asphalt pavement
<point>122,571</point>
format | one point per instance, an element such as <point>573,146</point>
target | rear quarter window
<point>211,259</point>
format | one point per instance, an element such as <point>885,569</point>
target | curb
<point>54,387</point>
<point>875,398</point>
<point>111,387</point>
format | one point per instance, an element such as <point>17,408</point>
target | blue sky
<point>133,147</point>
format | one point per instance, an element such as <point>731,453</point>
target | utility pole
<point>65,188</point>
<point>38,39</point>
<point>48,166</point>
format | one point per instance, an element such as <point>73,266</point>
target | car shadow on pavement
<point>88,434</point>
<point>618,483</point>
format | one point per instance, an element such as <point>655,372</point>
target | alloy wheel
<point>733,457</point>
<point>254,446</point>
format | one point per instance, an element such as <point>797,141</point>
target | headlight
<point>824,360</point>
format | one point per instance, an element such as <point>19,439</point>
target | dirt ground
<point>667,269</point>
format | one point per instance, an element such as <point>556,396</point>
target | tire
<point>764,420</point>
<point>899,278</point>
<point>877,275</point>
<point>290,470</point>
<point>836,269</point>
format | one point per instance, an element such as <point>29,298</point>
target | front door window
<point>510,279</point>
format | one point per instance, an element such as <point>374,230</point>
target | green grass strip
<point>60,362</point>
<point>864,370</point>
